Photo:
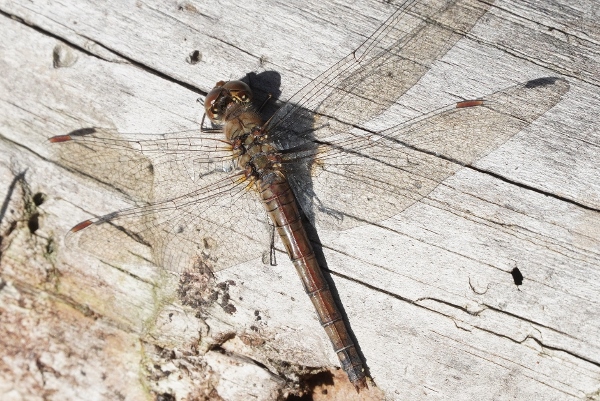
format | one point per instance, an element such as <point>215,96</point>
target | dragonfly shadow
<point>266,87</point>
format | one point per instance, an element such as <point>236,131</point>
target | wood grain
<point>428,293</point>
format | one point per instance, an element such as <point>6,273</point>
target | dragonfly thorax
<point>229,105</point>
<point>258,159</point>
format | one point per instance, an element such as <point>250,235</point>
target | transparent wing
<point>369,80</point>
<point>345,179</point>
<point>219,224</point>
<point>145,167</point>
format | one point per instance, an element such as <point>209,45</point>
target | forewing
<point>144,167</point>
<point>368,81</point>
<point>358,177</point>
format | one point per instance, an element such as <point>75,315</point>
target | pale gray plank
<point>428,292</point>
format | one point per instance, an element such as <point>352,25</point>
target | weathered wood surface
<point>428,293</point>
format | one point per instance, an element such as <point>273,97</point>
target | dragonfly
<point>207,197</point>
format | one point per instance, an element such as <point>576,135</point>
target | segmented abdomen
<point>280,203</point>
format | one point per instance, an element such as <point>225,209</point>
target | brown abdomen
<point>280,203</point>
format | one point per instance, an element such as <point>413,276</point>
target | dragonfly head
<point>222,95</point>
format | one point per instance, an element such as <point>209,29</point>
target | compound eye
<point>210,103</point>
<point>240,92</point>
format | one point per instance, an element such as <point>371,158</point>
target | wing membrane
<point>369,80</point>
<point>146,167</point>
<point>220,224</point>
<point>347,179</point>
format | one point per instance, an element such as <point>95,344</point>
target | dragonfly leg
<point>207,130</point>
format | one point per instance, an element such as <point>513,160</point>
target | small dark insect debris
<point>33,223</point>
<point>194,57</point>
<point>39,198</point>
<point>165,397</point>
<point>517,276</point>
